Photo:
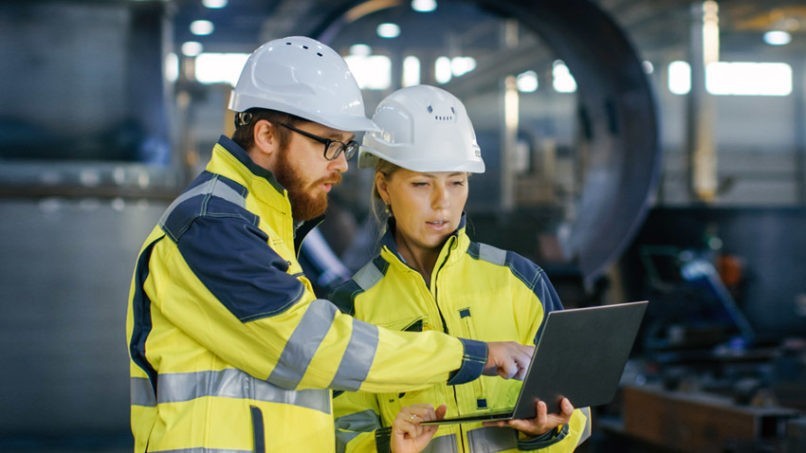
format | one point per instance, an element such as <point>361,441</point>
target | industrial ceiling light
<point>360,49</point>
<point>201,27</point>
<point>777,37</point>
<point>424,6</point>
<point>462,65</point>
<point>214,4</point>
<point>388,30</point>
<point>527,82</point>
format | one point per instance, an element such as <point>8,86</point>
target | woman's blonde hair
<point>380,211</point>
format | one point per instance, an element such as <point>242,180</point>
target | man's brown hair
<point>244,134</point>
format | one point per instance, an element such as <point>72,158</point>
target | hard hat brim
<point>347,123</point>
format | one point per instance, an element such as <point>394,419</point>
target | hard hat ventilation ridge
<point>442,117</point>
<point>304,46</point>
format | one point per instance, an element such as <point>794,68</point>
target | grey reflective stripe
<point>444,444</point>
<point>141,392</point>
<point>492,254</point>
<point>492,438</point>
<point>200,450</point>
<point>350,426</point>
<point>367,276</point>
<point>214,187</point>
<point>229,383</point>
<point>586,430</point>
<point>303,344</point>
<point>358,357</point>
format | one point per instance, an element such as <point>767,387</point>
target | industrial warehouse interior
<point>635,150</point>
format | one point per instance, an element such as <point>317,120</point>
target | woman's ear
<point>382,187</point>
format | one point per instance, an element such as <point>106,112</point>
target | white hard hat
<point>423,128</point>
<point>303,77</point>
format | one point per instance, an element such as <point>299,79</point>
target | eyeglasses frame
<point>349,149</point>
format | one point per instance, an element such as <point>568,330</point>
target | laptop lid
<point>580,355</point>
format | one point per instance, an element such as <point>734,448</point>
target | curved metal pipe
<point>618,109</point>
<point>618,121</point>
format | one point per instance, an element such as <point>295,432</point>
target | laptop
<point>580,355</point>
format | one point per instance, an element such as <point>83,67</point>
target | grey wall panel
<point>64,280</point>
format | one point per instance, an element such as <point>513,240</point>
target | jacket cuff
<point>473,360</point>
<point>544,440</point>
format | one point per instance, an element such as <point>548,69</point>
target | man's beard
<point>305,205</point>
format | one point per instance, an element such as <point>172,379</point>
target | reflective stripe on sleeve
<point>201,450</point>
<point>492,254</point>
<point>586,430</point>
<point>303,344</point>
<point>367,276</point>
<point>141,392</point>
<point>445,444</point>
<point>492,438</point>
<point>228,383</point>
<point>358,357</point>
<point>350,426</point>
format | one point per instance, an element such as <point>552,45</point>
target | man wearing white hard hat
<point>230,349</point>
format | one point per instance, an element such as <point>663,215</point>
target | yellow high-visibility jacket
<point>230,349</point>
<point>477,291</point>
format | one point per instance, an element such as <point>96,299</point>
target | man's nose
<point>340,164</point>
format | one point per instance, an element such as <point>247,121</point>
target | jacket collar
<point>457,241</point>
<point>232,161</point>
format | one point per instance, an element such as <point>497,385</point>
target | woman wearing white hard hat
<point>430,276</point>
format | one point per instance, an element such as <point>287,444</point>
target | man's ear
<point>265,150</point>
<point>264,137</point>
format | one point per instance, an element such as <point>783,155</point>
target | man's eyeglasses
<point>332,147</point>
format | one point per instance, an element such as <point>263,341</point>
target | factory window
<point>372,72</point>
<point>735,78</point>
<point>411,71</point>
<point>219,67</point>
<point>171,67</point>
<point>679,77</point>
<point>446,68</point>
<point>442,70</point>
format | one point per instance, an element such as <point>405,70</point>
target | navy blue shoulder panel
<point>532,275</point>
<point>141,315</point>
<point>221,243</point>
<point>208,195</point>
<point>343,296</point>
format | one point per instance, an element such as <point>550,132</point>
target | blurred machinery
<point>710,375</point>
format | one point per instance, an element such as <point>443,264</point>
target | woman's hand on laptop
<point>408,435</point>
<point>543,421</point>
<point>508,359</point>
